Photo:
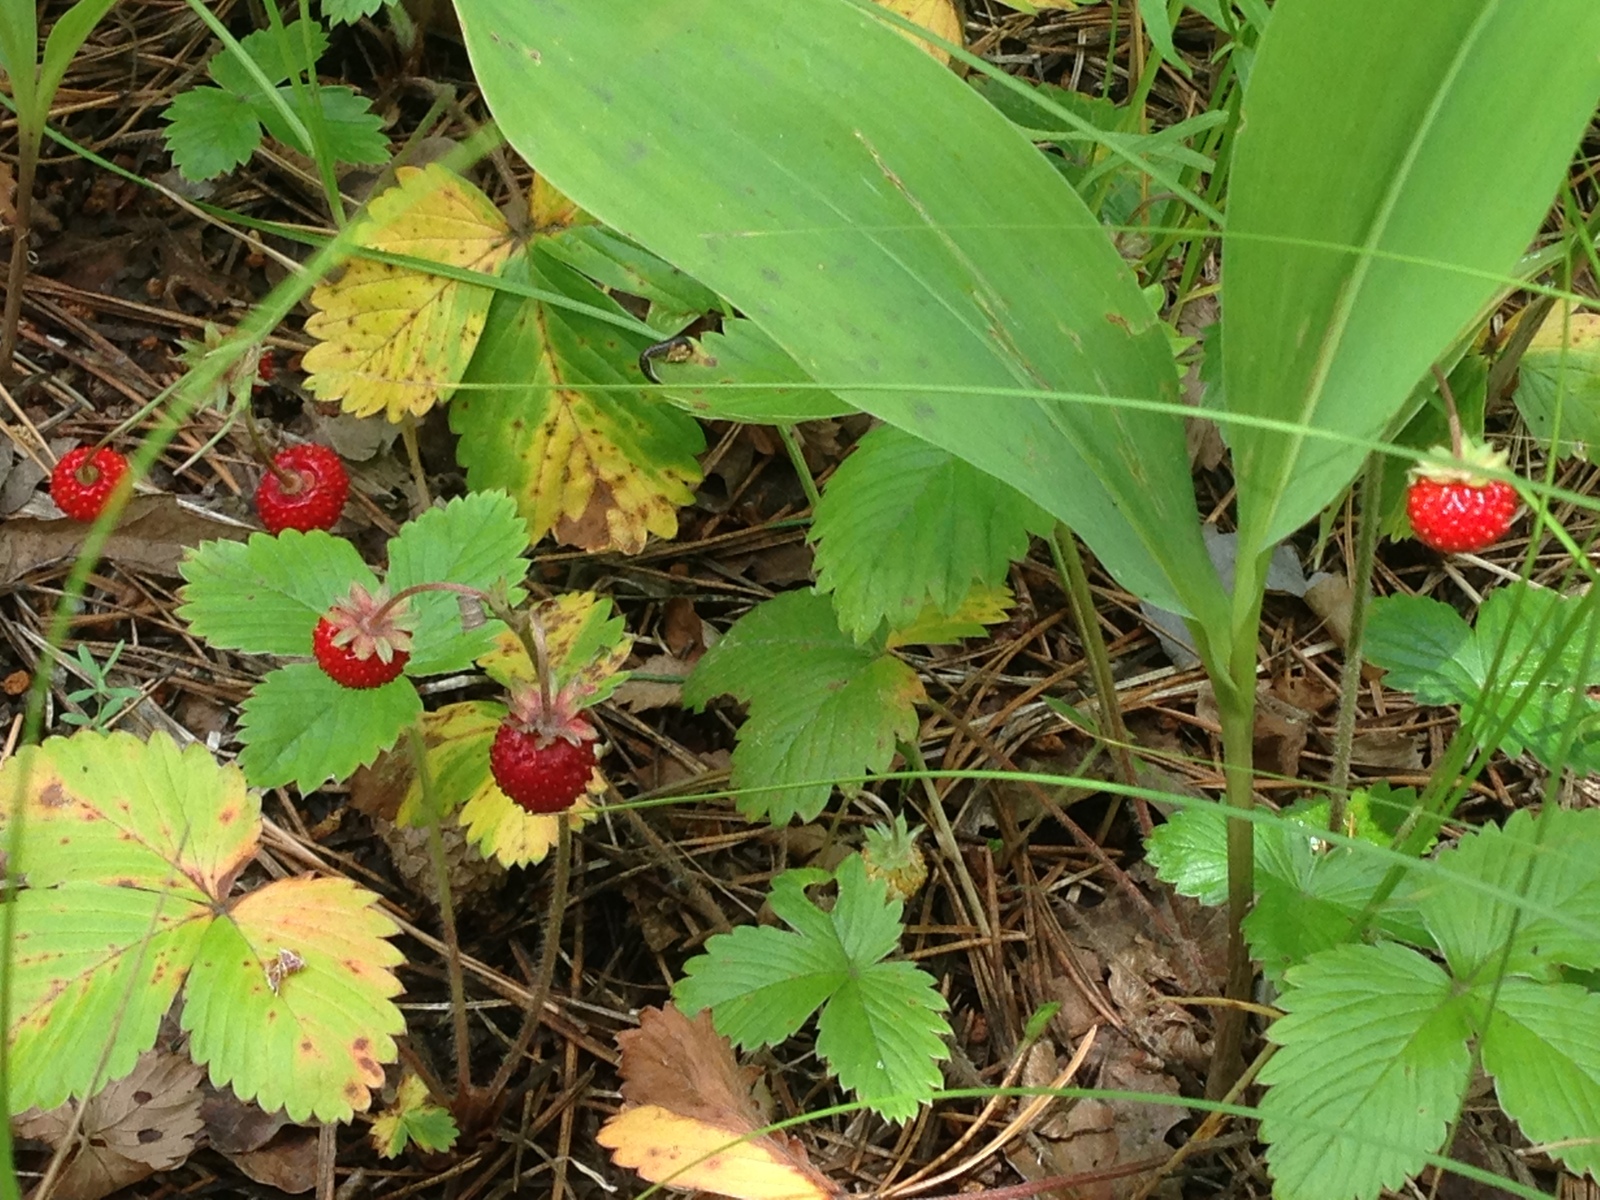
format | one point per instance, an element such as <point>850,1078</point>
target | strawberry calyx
<point>1473,467</point>
<point>367,624</point>
<point>547,718</point>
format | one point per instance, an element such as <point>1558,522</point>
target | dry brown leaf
<point>145,1122</point>
<point>288,1162</point>
<point>637,695</point>
<point>685,1099</point>
<point>152,536</point>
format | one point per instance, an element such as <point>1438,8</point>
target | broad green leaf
<point>1559,374</point>
<point>300,727</point>
<point>474,540</point>
<point>904,526</point>
<point>739,374</point>
<point>612,261</point>
<point>833,711</point>
<point>266,595</point>
<point>1390,170</point>
<point>1553,862</point>
<point>880,1028</point>
<point>893,233</point>
<point>1542,1046</point>
<point>115,810</point>
<point>210,131</point>
<point>600,469</point>
<point>92,964</point>
<point>351,131</point>
<point>1429,650</point>
<point>1371,1066</point>
<point>289,1000</point>
<point>413,1118</point>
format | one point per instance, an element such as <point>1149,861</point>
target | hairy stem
<point>1350,677</point>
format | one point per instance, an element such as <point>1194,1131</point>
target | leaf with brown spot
<point>689,1119</point>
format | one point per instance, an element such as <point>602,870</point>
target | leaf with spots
<point>457,739</point>
<point>290,998</point>
<point>551,416</point>
<point>584,639</point>
<point>126,852</point>
<point>393,339</point>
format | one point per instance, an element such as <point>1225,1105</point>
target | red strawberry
<point>312,493</point>
<point>543,756</point>
<point>1457,509</point>
<point>360,644</point>
<point>84,479</point>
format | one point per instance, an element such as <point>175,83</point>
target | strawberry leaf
<point>413,1118</point>
<point>301,727</point>
<point>297,973</point>
<point>834,710</point>
<point>264,596</point>
<point>1372,1066</point>
<point>586,641</point>
<point>210,131</point>
<point>904,525</point>
<point>474,540</point>
<point>880,1028</point>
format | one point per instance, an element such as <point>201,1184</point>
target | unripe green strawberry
<point>890,853</point>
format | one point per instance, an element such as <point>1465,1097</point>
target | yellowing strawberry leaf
<point>880,1028</point>
<point>822,708</point>
<point>1559,375</point>
<point>985,605</point>
<point>396,340</point>
<point>586,643</point>
<point>289,998</point>
<point>264,596</point>
<point>740,374</point>
<point>475,540</point>
<point>1371,1067</point>
<point>456,740</point>
<point>413,1118</point>
<point>301,727</point>
<point>904,526</point>
<point>599,469</point>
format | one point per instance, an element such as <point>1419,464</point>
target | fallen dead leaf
<point>288,1162</point>
<point>638,695</point>
<point>152,536</point>
<point>685,1099</point>
<point>145,1122</point>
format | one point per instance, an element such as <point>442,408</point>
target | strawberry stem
<point>290,482</point>
<point>1450,413</point>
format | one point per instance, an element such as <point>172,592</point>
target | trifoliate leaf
<point>600,469</point>
<point>1372,1066</point>
<point>456,740</point>
<point>395,340</point>
<point>741,374</point>
<point>1542,1045</point>
<point>880,1028</point>
<point>586,643</point>
<point>301,727</point>
<point>904,525</point>
<point>289,998</point>
<point>210,131</point>
<point>265,596</point>
<point>413,1118</point>
<point>1554,378</point>
<point>614,262</point>
<point>822,708</point>
<point>474,540</point>
<point>1553,863</point>
<point>1430,651</point>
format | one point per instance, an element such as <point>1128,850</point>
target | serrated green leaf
<point>351,131</point>
<point>821,707</point>
<point>739,374</point>
<point>880,1028</point>
<point>1554,866</point>
<point>413,1118</point>
<point>265,596</point>
<point>279,55</point>
<point>348,12</point>
<point>612,261</point>
<point>1542,1045</point>
<point>210,131</point>
<point>289,998</point>
<point>1372,1066</point>
<point>904,524</point>
<point>1561,367</point>
<point>91,964</point>
<point>601,468</point>
<point>301,727</point>
<point>1430,651</point>
<point>474,540</point>
<point>984,606</point>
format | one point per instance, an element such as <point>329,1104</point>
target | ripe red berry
<point>84,479</point>
<point>312,493</point>
<point>541,774</point>
<point>361,642</point>
<point>1454,517</point>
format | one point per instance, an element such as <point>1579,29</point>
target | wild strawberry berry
<point>359,644</point>
<point>266,368</point>
<point>84,479</point>
<point>543,756</point>
<point>1458,510</point>
<point>311,494</point>
<point>889,853</point>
